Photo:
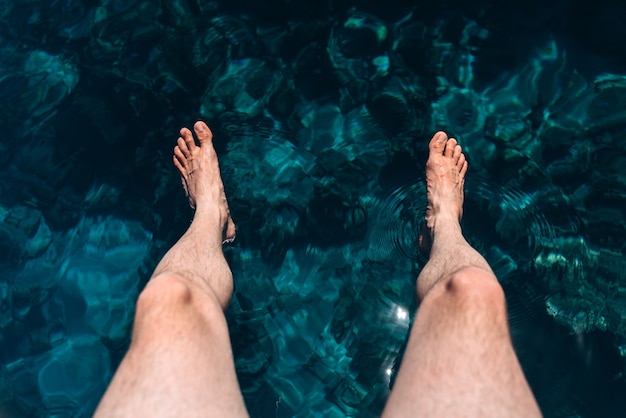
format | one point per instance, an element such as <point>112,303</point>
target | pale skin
<point>459,360</point>
<point>180,361</point>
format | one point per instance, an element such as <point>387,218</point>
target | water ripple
<point>396,221</point>
<point>522,221</point>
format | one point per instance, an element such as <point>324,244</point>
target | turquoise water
<point>321,113</point>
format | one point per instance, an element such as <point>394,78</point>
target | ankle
<point>442,223</point>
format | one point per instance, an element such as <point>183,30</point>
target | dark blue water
<point>321,113</point>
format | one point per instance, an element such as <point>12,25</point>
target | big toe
<point>203,133</point>
<point>438,143</point>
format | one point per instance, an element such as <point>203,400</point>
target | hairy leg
<point>180,360</point>
<point>459,359</point>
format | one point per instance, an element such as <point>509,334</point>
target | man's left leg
<point>180,361</point>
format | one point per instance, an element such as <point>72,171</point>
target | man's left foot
<point>200,175</point>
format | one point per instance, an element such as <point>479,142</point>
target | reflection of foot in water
<point>459,359</point>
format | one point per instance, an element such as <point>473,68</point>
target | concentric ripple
<point>516,217</point>
<point>396,221</point>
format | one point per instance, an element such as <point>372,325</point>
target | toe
<point>456,154</point>
<point>179,158</point>
<point>203,132</point>
<point>463,169</point>
<point>438,142</point>
<point>182,145</point>
<point>461,161</point>
<point>188,138</point>
<point>181,171</point>
<point>450,145</point>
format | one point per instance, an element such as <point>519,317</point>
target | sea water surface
<point>321,112</point>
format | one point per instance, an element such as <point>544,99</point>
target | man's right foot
<point>445,177</point>
<point>200,174</point>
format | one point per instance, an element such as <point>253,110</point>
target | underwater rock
<point>71,19</point>
<point>460,111</point>
<point>210,49</point>
<point>353,94</point>
<point>361,35</point>
<point>562,172</point>
<point>33,89</point>
<point>333,220</point>
<point>286,41</point>
<point>506,128</point>
<point>357,49</point>
<point>37,176</point>
<point>313,74</point>
<point>265,164</point>
<point>79,291</point>
<point>105,120</point>
<point>240,36</point>
<point>6,7</point>
<point>254,350</point>
<point>607,108</point>
<point>39,241</point>
<point>207,6</point>
<point>179,13</point>
<point>64,371</point>
<point>244,86</point>
<point>24,234</point>
<point>66,210</point>
<point>102,258</point>
<point>50,80</point>
<point>412,46</point>
<point>22,219</point>
<point>283,102</point>
<point>56,380</point>
<point>331,349</point>
<point>102,196</point>
<point>128,35</point>
<point>344,144</point>
<point>6,305</point>
<point>608,179</point>
<point>21,376</point>
<point>277,233</point>
<point>587,287</point>
<point>399,105</point>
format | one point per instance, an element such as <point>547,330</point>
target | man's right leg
<point>459,359</point>
<point>180,361</point>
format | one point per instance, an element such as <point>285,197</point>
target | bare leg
<point>180,360</point>
<point>459,359</point>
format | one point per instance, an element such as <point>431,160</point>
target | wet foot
<point>445,177</point>
<point>200,175</point>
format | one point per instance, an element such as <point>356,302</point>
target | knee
<point>164,291</point>
<point>476,287</point>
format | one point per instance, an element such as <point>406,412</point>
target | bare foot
<point>445,177</point>
<point>200,175</point>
